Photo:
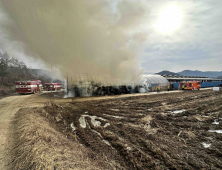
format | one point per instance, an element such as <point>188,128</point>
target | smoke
<point>99,37</point>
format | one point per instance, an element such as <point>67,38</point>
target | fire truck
<point>52,86</point>
<point>191,85</point>
<point>24,87</point>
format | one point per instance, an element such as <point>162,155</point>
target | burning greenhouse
<point>87,85</point>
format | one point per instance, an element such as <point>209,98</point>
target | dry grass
<point>35,145</point>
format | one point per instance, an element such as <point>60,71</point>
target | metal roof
<point>192,78</point>
<point>154,79</point>
<point>181,76</point>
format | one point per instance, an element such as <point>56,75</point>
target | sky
<point>172,35</point>
<point>195,44</point>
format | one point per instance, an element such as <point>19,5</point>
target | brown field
<point>164,131</point>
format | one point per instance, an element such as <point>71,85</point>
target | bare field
<point>164,131</point>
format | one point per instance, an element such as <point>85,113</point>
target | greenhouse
<point>87,85</point>
<point>151,82</point>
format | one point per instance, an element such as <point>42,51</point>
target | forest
<point>11,70</point>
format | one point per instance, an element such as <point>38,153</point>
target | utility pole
<point>67,85</point>
<point>51,76</point>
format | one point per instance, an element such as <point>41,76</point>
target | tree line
<point>11,70</point>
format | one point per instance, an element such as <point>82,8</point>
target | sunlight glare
<point>169,19</point>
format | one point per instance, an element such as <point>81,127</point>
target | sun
<point>169,19</point>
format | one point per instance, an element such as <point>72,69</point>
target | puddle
<point>217,131</point>
<point>215,122</point>
<point>107,124</point>
<point>119,117</point>
<point>209,138</point>
<point>95,122</point>
<point>129,148</point>
<point>178,111</point>
<point>73,127</point>
<point>82,121</point>
<point>116,110</point>
<point>206,145</point>
<point>97,133</point>
<point>106,142</point>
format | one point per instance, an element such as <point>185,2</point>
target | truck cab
<point>25,87</point>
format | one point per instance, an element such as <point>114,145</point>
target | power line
<point>16,22</point>
<point>12,17</point>
<point>29,9</point>
<point>42,13</point>
<point>36,13</point>
<point>45,25</point>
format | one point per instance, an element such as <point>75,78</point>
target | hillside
<point>165,72</point>
<point>213,74</point>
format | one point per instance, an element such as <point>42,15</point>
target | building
<point>205,81</point>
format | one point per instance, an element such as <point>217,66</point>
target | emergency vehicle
<point>24,87</point>
<point>52,86</point>
<point>57,86</point>
<point>191,85</point>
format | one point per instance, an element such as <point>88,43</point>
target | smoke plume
<point>99,37</point>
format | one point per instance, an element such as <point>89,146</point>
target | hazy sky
<point>174,35</point>
<point>196,44</point>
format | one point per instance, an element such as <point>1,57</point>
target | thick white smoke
<point>79,36</point>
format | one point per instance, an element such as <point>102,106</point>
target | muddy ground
<point>165,131</point>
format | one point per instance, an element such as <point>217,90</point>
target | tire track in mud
<point>140,134</point>
<point>151,151</point>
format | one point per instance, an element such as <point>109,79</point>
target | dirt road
<point>8,107</point>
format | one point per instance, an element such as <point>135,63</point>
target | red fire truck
<point>52,86</point>
<point>24,87</point>
<point>191,85</point>
<point>57,86</point>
